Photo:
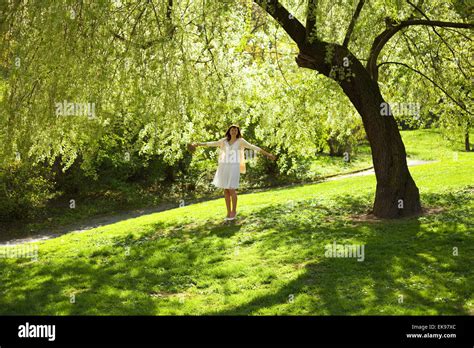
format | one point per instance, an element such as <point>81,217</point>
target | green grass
<point>429,144</point>
<point>325,165</point>
<point>271,261</point>
<point>126,197</point>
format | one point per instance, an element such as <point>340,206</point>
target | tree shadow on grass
<point>127,276</point>
<point>407,268</point>
<point>410,258</point>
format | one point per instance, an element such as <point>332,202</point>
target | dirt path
<point>411,163</point>
<point>87,225</point>
<point>107,220</point>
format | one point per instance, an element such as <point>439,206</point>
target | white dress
<point>231,157</point>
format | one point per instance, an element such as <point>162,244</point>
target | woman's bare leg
<point>227,201</point>
<point>233,195</point>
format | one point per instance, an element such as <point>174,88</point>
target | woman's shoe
<point>233,218</point>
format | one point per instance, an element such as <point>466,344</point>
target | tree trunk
<point>396,193</point>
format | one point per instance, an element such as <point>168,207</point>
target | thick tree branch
<point>388,33</point>
<point>288,22</point>
<point>353,22</point>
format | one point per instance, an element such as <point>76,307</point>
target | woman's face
<point>234,132</point>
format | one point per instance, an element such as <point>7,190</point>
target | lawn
<point>187,261</point>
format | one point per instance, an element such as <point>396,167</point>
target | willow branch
<point>432,81</point>
<point>388,33</point>
<point>353,22</point>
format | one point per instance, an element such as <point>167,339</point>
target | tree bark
<point>396,194</point>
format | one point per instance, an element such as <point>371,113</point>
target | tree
<point>164,72</point>
<point>396,193</point>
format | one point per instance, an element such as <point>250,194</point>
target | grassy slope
<point>100,202</point>
<point>325,165</point>
<point>185,261</point>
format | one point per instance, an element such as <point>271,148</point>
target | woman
<point>231,164</point>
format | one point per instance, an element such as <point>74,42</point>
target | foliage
<point>154,79</point>
<point>23,194</point>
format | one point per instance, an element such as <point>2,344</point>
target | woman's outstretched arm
<point>247,145</point>
<point>207,144</point>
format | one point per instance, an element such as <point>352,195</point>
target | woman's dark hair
<point>227,134</point>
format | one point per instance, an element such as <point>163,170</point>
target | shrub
<point>24,191</point>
